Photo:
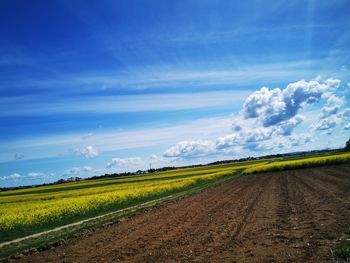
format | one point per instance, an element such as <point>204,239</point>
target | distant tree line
<point>347,145</point>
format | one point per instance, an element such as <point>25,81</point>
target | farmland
<point>284,216</point>
<point>28,211</point>
<point>280,165</point>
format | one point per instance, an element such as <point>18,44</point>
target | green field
<point>32,210</point>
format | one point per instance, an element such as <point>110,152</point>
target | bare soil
<point>291,216</point>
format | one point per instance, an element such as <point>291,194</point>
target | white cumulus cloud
<point>129,162</point>
<point>251,133</point>
<point>191,149</point>
<point>88,152</point>
<point>268,119</point>
<point>276,105</point>
<point>35,174</point>
<point>156,160</point>
<point>11,176</point>
<point>334,103</point>
<point>329,123</point>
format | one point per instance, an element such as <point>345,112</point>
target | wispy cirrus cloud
<point>78,170</point>
<point>126,103</point>
<point>161,78</point>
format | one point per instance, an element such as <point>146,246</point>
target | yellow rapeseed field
<point>27,211</point>
<point>299,163</point>
<point>32,210</point>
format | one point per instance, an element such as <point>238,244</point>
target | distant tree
<point>60,181</point>
<point>347,146</point>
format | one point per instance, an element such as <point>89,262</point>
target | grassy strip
<point>342,251</point>
<point>53,239</point>
<point>302,163</point>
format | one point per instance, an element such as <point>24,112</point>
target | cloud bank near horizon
<point>269,117</point>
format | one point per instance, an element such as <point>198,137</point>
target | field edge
<point>51,238</point>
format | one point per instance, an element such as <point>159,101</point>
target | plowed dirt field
<point>291,216</point>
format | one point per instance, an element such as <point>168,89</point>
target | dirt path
<point>292,216</point>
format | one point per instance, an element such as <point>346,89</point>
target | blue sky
<point>94,87</point>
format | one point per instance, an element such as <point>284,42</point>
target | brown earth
<point>291,216</point>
